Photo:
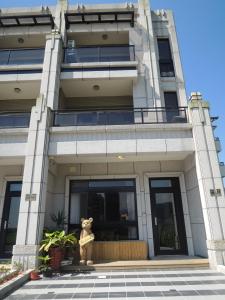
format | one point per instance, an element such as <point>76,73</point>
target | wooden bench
<point>120,250</point>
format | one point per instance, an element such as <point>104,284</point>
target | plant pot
<point>56,255</point>
<point>47,273</point>
<point>34,275</point>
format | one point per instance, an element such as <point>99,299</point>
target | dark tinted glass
<point>164,49</point>
<point>159,183</point>
<point>111,183</point>
<point>171,100</point>
<point>15,187</point>
<point>112,205</point>
<point>171,104</point>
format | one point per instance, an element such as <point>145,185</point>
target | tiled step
<point>142,264</point>
<point>146,284</point>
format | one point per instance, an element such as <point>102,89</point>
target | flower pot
<point>47,273</point>
<point>34,275</point>
<point>56,255</point>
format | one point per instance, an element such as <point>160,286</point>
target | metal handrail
<point>9,60</point>
<point>119,116</point>
<point>99,57</point>
<point>9,119</point>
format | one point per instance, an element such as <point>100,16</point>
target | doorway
<point>110,202</point>
<point>167,216</point>
<point>10,216</point>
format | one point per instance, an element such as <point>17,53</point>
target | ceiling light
<point>120,157</point>
<point>105,36</point>
<point>20,40</point>
<point>17,90</point>
<point>96,87</point>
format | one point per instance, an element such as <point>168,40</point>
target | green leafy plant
<point>57,239</point>
<point>59,219</point>
<point>44,263</point>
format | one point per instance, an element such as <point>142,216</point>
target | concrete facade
<point>46,157</point>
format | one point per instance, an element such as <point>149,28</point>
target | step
<point>141,264</point>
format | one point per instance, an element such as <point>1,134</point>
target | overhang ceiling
<point>84,88</point>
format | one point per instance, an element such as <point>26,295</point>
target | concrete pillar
<point>209,179</point>
<point>146,91</point>
<point>35,177</point>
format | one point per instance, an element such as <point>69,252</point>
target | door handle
<point>156,221</point>
<point>5,224</point>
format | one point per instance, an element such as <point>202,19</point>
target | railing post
<point>99,54</point>
<point>9,57</point>
<point>142,116</point>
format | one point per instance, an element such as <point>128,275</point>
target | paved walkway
<point>189,284</point>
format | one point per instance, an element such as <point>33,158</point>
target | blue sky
<point>201,33</point>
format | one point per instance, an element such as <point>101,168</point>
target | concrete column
<point>146,91</point>
<point>35,177</point>
<point>209,179</point>
<point>51,70</point>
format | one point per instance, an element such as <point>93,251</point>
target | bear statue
<point>86,242</point>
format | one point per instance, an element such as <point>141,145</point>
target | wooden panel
<point>120,250</point>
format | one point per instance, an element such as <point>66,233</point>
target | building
<point>95,122</point>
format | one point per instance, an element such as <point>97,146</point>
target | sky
<point>200,27</point>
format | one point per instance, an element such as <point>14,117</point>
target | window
<point>165,58</point>
<point>112,205</point>
<point>171,107</point>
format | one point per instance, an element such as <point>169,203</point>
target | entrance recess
<point>10,218</point>
<point>112,205</point>
<point>167,216</point>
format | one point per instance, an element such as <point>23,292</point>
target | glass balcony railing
<point>99,54</point>
<point>14,119</point>
<point>21,56</point>
<point>119,116</point>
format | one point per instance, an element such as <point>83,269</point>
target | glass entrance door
<point>112,205</point>
<point>10,218</point>
<point>167,216</point>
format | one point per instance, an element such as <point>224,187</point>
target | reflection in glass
<point>166,221</point>
<point>99,54</point>
<point>161,183</point>
<point>113,211</point>
<point>11,228</point>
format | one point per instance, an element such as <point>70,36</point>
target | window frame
<point>109,225</point>
<point>162,61</point>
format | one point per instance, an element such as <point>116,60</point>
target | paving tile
<point>99,295</point>
<point>189,293</point>
<point>81,296</point>
<point>153,294</point>
<point>135,294</point>
<point>64,296</point>
<point>220,292</point>
<point>130,284</point>
<point>171,293</point>
<point>117,295</point>
<point>113,284</point>
<point>46,296</point>
<point>206,292</point>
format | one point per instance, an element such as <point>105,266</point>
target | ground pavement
<point>185,284</point>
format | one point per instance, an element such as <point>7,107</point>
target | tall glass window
<point>165,58</point>
<point>112,205</point>
<point>171,105</point>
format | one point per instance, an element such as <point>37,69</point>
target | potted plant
<point>44,267</point>
<point>55,243</point>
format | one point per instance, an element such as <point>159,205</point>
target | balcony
<point>126,116</point>
<point>222,169</point>
<point>22,56</point>
<point>14,119</point>
<point>218,144</point>
<point>92,54</point>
